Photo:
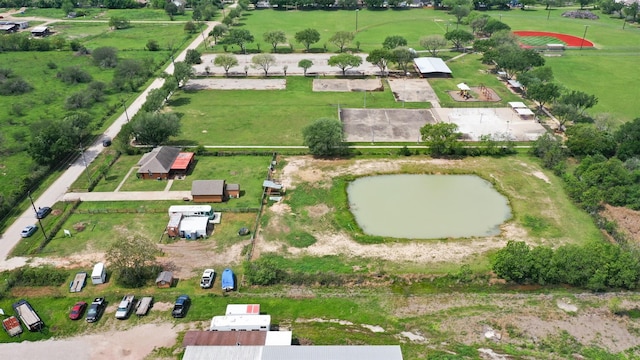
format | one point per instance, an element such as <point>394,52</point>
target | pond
<point>427,206</point>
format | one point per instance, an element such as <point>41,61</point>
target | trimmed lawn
<point>218,117</point>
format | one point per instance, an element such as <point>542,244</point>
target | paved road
<point>57,190</point>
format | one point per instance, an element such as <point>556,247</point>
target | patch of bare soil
<point>628,220</point>
<point>524,319</point>
<point>107,345</point>
<point>188,258</point>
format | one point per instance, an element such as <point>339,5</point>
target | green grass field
<point>265,117</point>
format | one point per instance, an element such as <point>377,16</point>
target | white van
<point>99,274</point>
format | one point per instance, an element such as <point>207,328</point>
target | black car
<point>96,309</point>
<point>43,212</point>
<point>181,306</point>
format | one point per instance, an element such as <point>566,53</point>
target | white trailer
<point>99,274</point>
<point>243,309</point>
<point>241,323</point>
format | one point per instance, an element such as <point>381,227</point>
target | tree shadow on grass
<point>181,101</point>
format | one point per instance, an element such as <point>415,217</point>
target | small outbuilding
<point>194,227</point>
<point>208,191</point>
<point>8,28</point>
<point>40,31</point>
<point>165,279</point>
<point>431,67</point>
<point>232,191</point>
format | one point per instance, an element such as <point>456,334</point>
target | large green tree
<point>342,39</point>
<point>274,38</point>
<point>459,38</point>
<point>218,31</point>
<point>433,43</point>
<point>441,138</point>
<point>305,64</point>
<point>402,56</point>
<point>380,58</point>
<point>345,62</point>
<point>240,37</point>
<point>628,138</point>
<point>393,41</point>
<point>586,139</point>
<point>225,61</point>
<point>324,138</point>
<point>263,62</point>
<point>307,37</point>
<point>155,128</point>
<point>133,259</point>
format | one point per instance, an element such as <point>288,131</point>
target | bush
<point>38,276</point>
<point>73,75</point>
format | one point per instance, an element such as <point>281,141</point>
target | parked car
<point>28,231</point>
<point>106,142</point>
<point>207,278</point>
<point>43,212</point>
<point>181,306</point>
<point>77,310</point>
<point>96,309</point>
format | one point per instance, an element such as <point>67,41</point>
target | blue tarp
<point>228,281</point>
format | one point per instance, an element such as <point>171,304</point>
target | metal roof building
<point>377,352</point>
<point>431,66</point>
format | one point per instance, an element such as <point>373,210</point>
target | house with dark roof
<point>164,162</point>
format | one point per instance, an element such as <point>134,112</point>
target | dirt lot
<point>413,90</point>
<point>344,85</point>
<point>236,84</point>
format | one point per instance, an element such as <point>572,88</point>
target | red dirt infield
<point>570,40</point>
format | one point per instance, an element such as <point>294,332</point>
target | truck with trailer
<point>28,315</point>
<point>124,309</point>
<point>144,305</point>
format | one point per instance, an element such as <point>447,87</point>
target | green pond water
<point>427,206</point>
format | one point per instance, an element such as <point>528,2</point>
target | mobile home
<point>241,323</point>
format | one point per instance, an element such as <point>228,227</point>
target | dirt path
<point>135,343</point>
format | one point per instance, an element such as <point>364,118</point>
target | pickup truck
<point>96,309</point>
<point>207,278</point>
<point>124,309</point>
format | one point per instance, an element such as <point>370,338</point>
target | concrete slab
<point>384,125</point>
<point>499,122</point>
<point>412,90</point>
<point>345,85</point>
<point>236,84</point>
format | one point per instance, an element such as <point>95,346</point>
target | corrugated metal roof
<point>207,187</point>
<point>225,338</point>
<point>182,161</point>
<point>428,65</point>
<point>377,352</point>
<point>233,187</point>
<point>332,352</point>
<point>165,276</point>
<point>278,338</point>
<point>223,353</point>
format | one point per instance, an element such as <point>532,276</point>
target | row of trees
<point>597,266</point>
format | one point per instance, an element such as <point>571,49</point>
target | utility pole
<point>84,161</point>
<point>36,212</point>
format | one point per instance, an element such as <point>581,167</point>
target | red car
<point>77,310</point>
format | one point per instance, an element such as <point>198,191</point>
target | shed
<point>22,24</point>
<point>525,113</point>
<point>40,31</point>
<point>208,191</point>
<point>173,227</point>
<point>432,67</point>
<point>515,85</point>
<point>232,191</point>
<point>517,105</point>
<point>9,28</point>
<point>165,279</point>
<point>157,163</point>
